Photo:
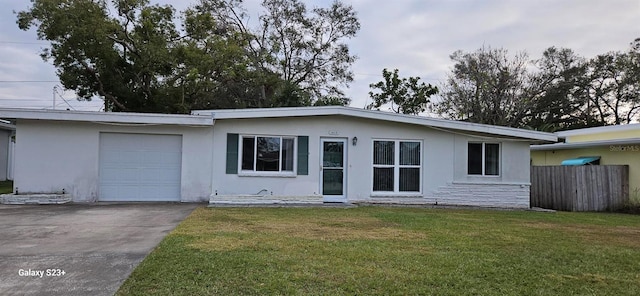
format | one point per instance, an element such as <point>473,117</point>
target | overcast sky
<point>414,36</point>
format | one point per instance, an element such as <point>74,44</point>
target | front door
<point>333,175</point>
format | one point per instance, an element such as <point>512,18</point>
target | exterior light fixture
<point>354,141</point>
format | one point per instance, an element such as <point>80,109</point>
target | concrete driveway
<point>97,246</point>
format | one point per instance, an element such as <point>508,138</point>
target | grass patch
<point>393,251</point>
<point>6,187</point>
<point>633,205</point>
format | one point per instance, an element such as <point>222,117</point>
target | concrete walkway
<point>79,249</point>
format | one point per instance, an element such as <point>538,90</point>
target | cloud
<point>415,36</point>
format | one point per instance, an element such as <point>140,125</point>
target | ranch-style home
<point>278,155</point>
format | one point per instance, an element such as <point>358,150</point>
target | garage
<point>139,167</point>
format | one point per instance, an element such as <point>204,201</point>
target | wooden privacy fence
<point>580,188</point>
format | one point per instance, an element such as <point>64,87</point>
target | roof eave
<point>565,146</point>
<point>598,129</point>
<point>535,136</point>
<point>112,117</point>
<point>7,126</point>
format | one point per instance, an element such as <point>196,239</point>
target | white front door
<point>333,173</point>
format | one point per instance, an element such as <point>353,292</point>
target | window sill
<point>271,175</point>
<point>488,182</point>
<point>396,194</point>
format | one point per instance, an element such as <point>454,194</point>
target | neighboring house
<point>7,131</point>
<point>607,145</point>
<point>336,154</point>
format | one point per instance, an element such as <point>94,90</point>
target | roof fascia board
<point>379,115</point>
<point>599,129</point>
<point>7,126</point>
<point>564,146</point>
<point>114,117</point>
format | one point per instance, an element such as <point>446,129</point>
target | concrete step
<point>264,200</point>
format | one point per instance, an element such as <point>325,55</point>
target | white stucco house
<point>7,131</point>
<point>307,154</point>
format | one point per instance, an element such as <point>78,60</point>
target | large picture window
<point>396,166</point>
<point>483,159</point>
<point>267,154</point>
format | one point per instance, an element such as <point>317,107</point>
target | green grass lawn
<point>393,251</point>
<point>6,187</point>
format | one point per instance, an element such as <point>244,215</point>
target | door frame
<point>334,198</point>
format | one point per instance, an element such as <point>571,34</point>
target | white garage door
<point>140,167</point>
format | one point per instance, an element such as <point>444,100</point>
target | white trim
<point>395,194</point>
<point>280,172</point>
<point>345,165</point>
<point>562,146</point>
<point>484,161</point>
<point>490,183</point>
<point>107,117</point>
<point>599,129</point>
<point>396,168</point>
<point>206,117</point>
<point>379,115</point>
<point>7,126</point>
<point>266,174</point>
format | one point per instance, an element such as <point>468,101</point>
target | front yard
<point>393,251</point>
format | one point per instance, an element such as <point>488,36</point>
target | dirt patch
<point>588,277</point>
<point>233,230</point>
<point>618,235</point>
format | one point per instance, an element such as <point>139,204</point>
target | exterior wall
<point>509,189</point>
<point>444,163</point>
<point>5,141</point>
<point>52,155</point>
<point>609,155</point>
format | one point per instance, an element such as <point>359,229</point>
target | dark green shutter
<point>303,155</point>
<point>232,153</point>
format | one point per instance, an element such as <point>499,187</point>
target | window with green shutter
<point>267,155</point>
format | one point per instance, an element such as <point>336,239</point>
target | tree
<point>564,91</point>
<point>614,87</point>
<point>117,58</point>
<point>557,90</point>
<point>302,47</point>
<point>487,86</point>
<point>405,95</point>
<point>574,92</point>
<point>213,68</point>
<point>332,101</point>
<point>132,55</point>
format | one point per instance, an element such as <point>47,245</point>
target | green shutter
<point>303,155</point>
<point>232,153</point>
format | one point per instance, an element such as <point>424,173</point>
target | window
<point>267,154</point>
<point>396,166</point>
<point>483,159</point>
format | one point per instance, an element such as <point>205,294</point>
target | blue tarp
<point>583,160</point>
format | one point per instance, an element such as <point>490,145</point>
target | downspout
<point>11,155</point>
<point>211,188</point>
